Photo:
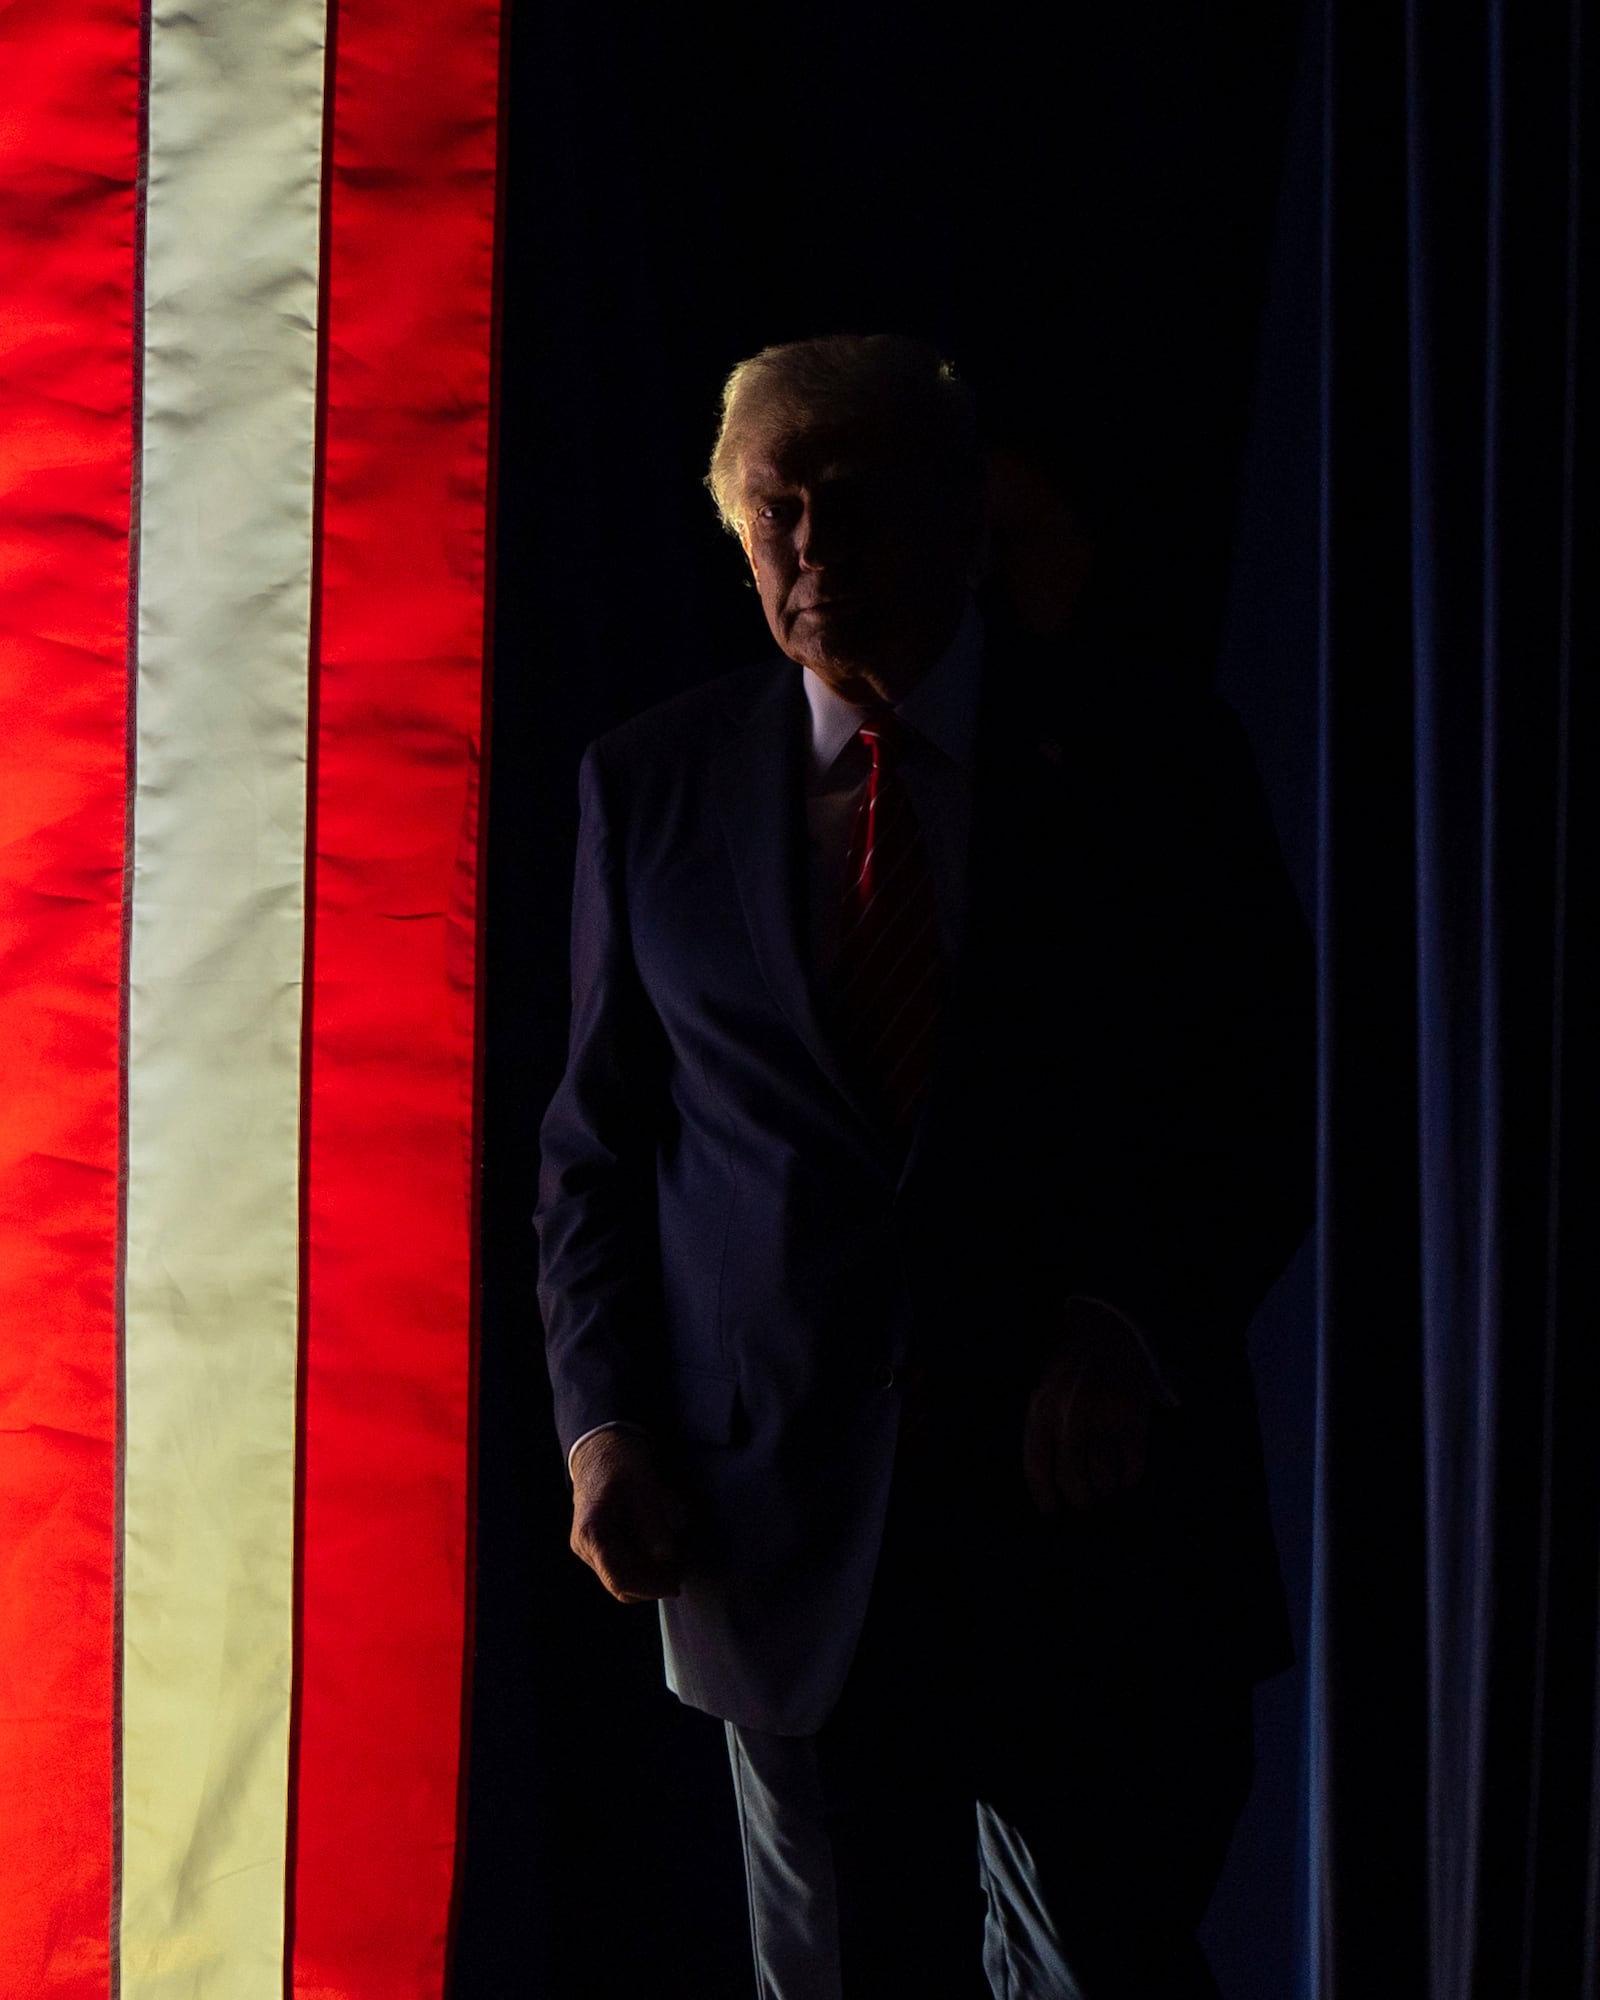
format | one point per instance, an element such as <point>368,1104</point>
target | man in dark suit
<point>937,1113</point>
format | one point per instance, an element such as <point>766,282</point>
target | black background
<point>1107,219</point>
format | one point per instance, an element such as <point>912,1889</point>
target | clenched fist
<point>1087,1432</point>
<point>627,1522</point>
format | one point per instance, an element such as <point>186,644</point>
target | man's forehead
<point>824,454</point>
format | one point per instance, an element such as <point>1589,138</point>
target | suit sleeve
<point>599,1284</point>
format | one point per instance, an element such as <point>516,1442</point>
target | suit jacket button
<point>883,1376</point>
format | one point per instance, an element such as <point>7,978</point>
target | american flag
<point>247,313</point>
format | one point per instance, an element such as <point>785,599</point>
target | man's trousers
<point>989,1810</point>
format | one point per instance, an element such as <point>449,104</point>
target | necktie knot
<point>884,735</point>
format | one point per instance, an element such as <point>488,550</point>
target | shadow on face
<point>862,544</point>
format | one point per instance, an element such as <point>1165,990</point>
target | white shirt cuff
<point>617,1424</point>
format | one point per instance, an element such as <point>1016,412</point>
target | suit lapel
<point>760,788</point>
<point>1016,781</point>
<point>760,784</point>
<point>990,796</point>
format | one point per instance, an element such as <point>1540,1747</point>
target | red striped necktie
<point>891,964</point>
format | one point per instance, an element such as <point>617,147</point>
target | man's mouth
<point>824,605</point>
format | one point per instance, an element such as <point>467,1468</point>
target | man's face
<point>860,556</point>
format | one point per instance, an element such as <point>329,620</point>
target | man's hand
<point>1087,1432</point>
<point>627,1523</point>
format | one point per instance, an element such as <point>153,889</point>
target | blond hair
<point>885,382</point>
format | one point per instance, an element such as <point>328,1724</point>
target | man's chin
<point>867,652</point>
<point>835,648</point>
<point>850,676</point>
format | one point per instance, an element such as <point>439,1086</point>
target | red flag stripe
<point>408,295</point>
<point>69,158</point>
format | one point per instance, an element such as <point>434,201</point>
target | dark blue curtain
<point>1090,222</point>
<point>1454,1809</point>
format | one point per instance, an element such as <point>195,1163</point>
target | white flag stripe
<point>216,957</point>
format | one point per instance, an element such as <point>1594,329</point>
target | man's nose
<point>813,548</point>
<point>819,543</point>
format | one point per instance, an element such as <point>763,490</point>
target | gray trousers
<point>793,1889</point>
<point>996,1809</point>
<point>941,1896</point>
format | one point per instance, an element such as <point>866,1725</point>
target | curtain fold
<point>1453,1818</point>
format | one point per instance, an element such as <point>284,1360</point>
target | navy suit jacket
<point>734,1256</point>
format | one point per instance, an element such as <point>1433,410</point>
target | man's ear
<point>749,553</point>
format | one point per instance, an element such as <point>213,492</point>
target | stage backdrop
<point>247,259</point>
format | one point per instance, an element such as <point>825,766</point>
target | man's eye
<point>775,513</point>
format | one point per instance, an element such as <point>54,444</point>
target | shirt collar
<point>943,706</point>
